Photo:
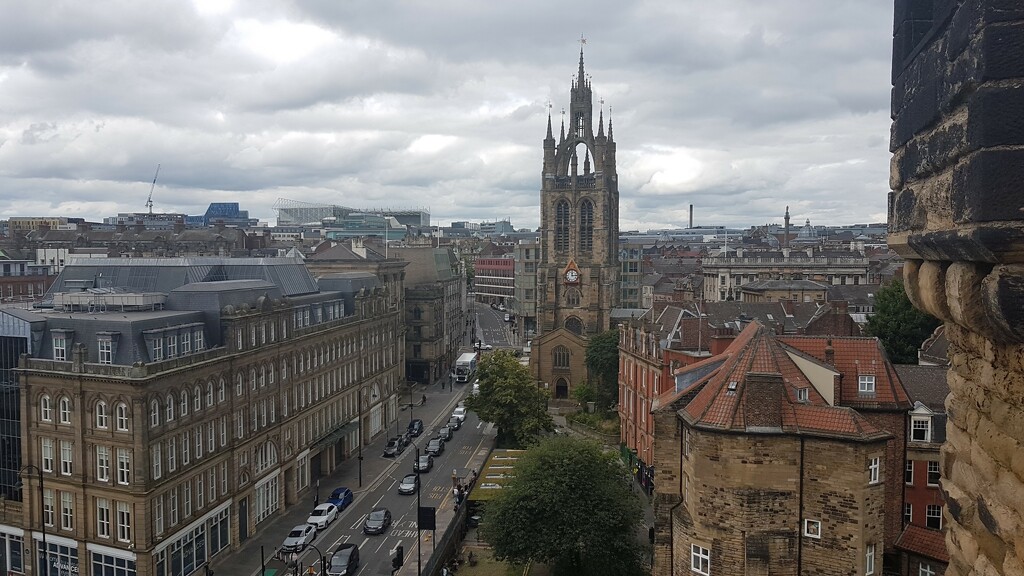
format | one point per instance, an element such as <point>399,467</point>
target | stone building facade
<point>955,216</point>
<point>726,274</point>
<point>578,269</point>
<point>215,395</point>
<point>758,473</point>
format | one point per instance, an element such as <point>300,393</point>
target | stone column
<point>956,213</point>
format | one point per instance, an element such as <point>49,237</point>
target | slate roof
<point>923,542</point>
<point>855,356</point>
<point>925,384</point>
<point>935,350</point>
<point>788,316</point>
<point>752,388</point>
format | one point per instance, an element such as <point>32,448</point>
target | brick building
<point>955,216</point>
<point>922,544</point>
<point>758,471</point>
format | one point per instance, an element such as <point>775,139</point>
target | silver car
<point>299,537</point>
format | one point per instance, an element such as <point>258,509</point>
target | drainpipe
<point>672,511</point>
<point>800,523</point>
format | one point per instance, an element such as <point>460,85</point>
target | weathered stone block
<point>987,186</point>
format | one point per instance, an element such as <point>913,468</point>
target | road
<point>436,485</point>
<point>491,327</point>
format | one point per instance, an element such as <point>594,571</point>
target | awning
<point>333,436</point>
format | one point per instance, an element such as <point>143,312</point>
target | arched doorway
<point>561,388</point>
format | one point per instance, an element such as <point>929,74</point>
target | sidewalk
<point>245,560</point>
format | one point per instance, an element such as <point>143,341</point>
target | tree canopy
<point>602,358</point>
<point>901,327</point>
<point>569,506</point>
<point>511,400</point>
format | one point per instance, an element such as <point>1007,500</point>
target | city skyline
<point>739,110</point>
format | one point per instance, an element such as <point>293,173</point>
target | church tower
<point>578,268</point>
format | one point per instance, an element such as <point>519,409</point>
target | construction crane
<point>149,201</point>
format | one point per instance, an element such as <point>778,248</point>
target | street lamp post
<point>323,559</point>
<point>42,513</point>
<point>419,545</point>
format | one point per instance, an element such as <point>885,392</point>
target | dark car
<point>454,423</point>
<point>445,433</point>
<point>409,484</point>
<point>424,464</point>
<point>394,447</point>
<point>377,522</point>
<point>435,447</point>
<point>341,497</point>
<point>416,428</point>
<point>344,561</point>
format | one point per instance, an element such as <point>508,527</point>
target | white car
<point>323,515</point>
<point>299,538</point>
<point>460,413</point>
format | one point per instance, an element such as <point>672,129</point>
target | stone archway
<point>561,389</point>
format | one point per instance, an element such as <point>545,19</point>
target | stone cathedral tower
<point>578,267</point>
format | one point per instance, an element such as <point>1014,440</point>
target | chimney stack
<point>691,215</point>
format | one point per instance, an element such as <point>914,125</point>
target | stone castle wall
<point>955,214</point>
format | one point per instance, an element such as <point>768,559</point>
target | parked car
<point>424,464</point>
<point>299,538</point>
<point>405,439</point>
<point>416,428</point>
<point>508,317</point>
<point>394,447</point>
<point>344,561</point>
<point>454,423</point>
<point>460,412</point>
<point>377,522</point>
<point>435,447</point>
<point>409,484</point>
<point>341,498</point>
<point>445,433</point>
<point>322,516</point>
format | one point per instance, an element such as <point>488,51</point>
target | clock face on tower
<point>572,276</point>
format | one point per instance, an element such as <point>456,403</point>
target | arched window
<point>197,399</point>
<point>170,407</point>
<point>586,226</point>
<point>209,394</point>
<point>572,297</point>
<point>560,357</point>
<point>184,403</point>
<point>574,325</point>
<point>154,412</point>
<point>65,410</point>
<point>562,226</point>
<point>266,456</point>
<point>121,416</point>
<point>45,409</point>
<point>102,418</point>
<point>220,391</point>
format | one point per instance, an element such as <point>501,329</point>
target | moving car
<point>424,464</point>
<point>435,447</point>
<point>344,561</point>
<point>377,522</point>
<point>454,423</point>
<point>409,484</point>
<point>482,346</point>
<point>445,433</point>
<point>460,411</point>
<point>394,447</point>
<point>341,498</point>
<point>300,537</point>
<point>322,515</point>
<point>508,317</point>
<point>416,428</point>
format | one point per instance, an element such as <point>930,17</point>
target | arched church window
<point>586,226</point>
<point>574,325</point>
<point>572,297</point>
<point>562,226</point>
<point>560,357</point>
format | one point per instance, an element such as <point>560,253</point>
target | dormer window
<point>866,384</point>
<point>60,348</point>
<point>802,395</point>
<point>921,429</point>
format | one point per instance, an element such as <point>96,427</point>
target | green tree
<point>602,358</point>
<point>901,327</point>
<point>511,400</point>
<point>570,508</point>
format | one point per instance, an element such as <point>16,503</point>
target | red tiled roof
<point>855,356</point>
<point>754,389</point>
<point>923,541</point>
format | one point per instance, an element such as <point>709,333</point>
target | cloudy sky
<point>738,107</point>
